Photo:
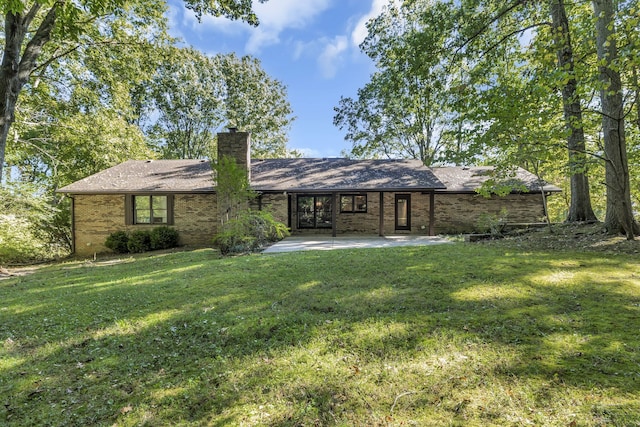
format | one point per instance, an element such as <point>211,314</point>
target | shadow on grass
<point>356,337</point>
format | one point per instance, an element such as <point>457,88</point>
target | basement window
<point>353,203</point>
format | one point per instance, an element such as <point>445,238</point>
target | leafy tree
<point>406,110</point>
<point>196,95</point>
<point>187,91</point>
<point>256,103</point>
<point>580,209</point>
<point>38,33</point>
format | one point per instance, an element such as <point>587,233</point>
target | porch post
<point>432,213</point>
<point>381,215</point>
<point>334,214</point>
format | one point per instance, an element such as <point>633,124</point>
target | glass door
<point>403,212</point>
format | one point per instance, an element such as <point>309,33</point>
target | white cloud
<point>275,17</point>
<point>331,57</point>
<point>360,32</point>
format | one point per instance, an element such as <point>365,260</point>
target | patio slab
<point>323,243</point>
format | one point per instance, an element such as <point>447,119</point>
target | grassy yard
<point>445,335</point>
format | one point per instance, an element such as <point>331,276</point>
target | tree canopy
<point>512,83</point>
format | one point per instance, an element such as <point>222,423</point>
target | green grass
<point>443,335</point>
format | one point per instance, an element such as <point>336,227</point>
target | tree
<point>580,208</point>
<point>405,110</point>
<point>619,208</point>
<point>254,102</point>
<point>196,95</point>
<point>32,25</point>
<point>187,95</point>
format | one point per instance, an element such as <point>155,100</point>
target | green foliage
<point>143,240</point>
<point>493,224</point>
<point>34,226</point>
<point>194,95</point>
<point>232,188</point>
<point>164,238</point>
<point>452,335</point>
<point>139,241</point>
<point>250,231</point>
<point>118,242</point>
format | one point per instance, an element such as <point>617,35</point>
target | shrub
<point>493,224</point>
<point>163,238</point>
<point>118,242</point>
<point>139,241</point>
<point>249,232</point>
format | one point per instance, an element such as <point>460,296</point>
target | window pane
<point>306,212</point>
<point>142,202</point>
<point>142,206</point>
<point>324,212</point>
<point>402,213</point>
<point>159,216</point>
<point>346,204</point>
<point>159,202</point>
<point>361,203</point>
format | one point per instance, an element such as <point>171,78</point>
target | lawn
<point>443,335</point>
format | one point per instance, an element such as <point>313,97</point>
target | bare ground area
<point>578,237</point>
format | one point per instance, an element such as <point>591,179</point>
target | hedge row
<point>142,240</point>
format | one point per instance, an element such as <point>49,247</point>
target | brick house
<point>316,196</point>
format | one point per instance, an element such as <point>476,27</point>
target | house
<point>316,196</point>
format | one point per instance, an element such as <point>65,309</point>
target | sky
<point>311,46</point>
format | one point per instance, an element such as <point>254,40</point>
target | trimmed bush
<point>163,238</point>
<point>118,242</point>
<point>249,232</point>
<point>139,241</point>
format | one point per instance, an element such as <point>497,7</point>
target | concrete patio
<point>323,243</point>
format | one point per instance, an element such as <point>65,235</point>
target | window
<point>403,212</point>
<point>315,211</point>
<point>353,203</point>
<point>150,209</point>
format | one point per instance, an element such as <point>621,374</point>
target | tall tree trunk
<point>619,210</point>
<point>580,208</point>
<point>17,65</point>
<point>636,88</point>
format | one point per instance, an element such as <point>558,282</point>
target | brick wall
<point>97,216</point>
<point>459,213</point>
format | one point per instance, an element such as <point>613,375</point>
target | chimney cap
<point>232,129</point>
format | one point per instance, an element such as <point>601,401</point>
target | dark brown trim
<point>128,209</point>
<point>334,214</point>
<point>73,224</point>
<point>407,198</point>
<point>381,225</point>
<point>432,214</point>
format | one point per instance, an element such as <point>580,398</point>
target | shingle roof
<point>312,175</point>
<point>172,176</point>
<point>469,179</point>
<point>337,174</point>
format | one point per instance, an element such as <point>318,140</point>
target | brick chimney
<point>236,145</point>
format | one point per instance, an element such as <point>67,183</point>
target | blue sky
<point>309,45</point>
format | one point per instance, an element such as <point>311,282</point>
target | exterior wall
<point>276,204</point>
<point>459,213</point>
<point>96,216</point>
<point>369,222</point>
